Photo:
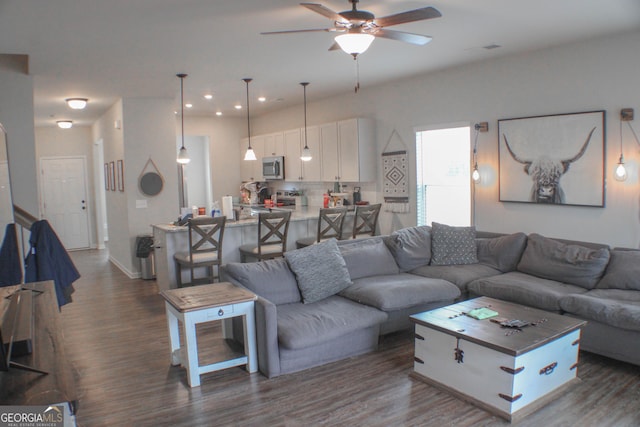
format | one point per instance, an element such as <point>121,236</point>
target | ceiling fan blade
<point>408,16</point>
<point>417,39</point>
<point>334,46</point>
<point>324,11</point>
<point>299,31</point>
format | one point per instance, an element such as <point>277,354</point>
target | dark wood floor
<point>116,338</point>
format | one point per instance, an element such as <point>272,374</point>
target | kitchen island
<point>169,239</point>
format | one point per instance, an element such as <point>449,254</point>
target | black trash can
<point>144,251</point>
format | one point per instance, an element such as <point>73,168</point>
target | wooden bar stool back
<point>273,228</point>
<point>330,225</point>
<point>205,249</point>
<point>365,220</point>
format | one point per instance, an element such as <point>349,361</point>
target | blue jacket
<point>48,260</point>
<point>10,268</point>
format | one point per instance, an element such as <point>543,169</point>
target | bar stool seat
<point>205,249</point>
<point>330,224</point>
<point>273,228</point>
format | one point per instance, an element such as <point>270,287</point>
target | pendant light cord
<point>182,76</point>
<point>248,121</point>
<point>304,86</point>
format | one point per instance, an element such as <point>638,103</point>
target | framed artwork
<point>112,176</point>
<point>106,176</point>
<point>120,168</point>
<point>556,159</point>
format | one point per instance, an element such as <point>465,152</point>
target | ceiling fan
<point>358,28</point>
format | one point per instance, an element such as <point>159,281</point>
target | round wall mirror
<point>151,183</point>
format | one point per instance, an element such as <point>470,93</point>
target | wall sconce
<point>250,154</point>
<point>479,127</point>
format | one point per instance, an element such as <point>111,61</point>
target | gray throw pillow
<point>368,257</point>
<point>453,245</point>
<point>502,253</point>
<point>320,270</point>
<point>271,279</point>
<point>411,247</point>
<point>623,271</point>
<point>573,264</point>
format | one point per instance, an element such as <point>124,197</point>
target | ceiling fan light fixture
<point>354,43</point>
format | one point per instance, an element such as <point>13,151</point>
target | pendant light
<point>306,152</point>
<point>183,156</point>
<point>250,154</point>
<point>475,174</point>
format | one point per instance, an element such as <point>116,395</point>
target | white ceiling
<point>107,49</point>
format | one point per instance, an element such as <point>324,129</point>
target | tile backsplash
<point>315,191</point>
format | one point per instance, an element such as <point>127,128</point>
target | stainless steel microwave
<point>273,167</point>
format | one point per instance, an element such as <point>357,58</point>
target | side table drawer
<point>219,312</point>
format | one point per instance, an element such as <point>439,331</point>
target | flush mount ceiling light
<point>77,103</point>
<point>306,152</point>
<point>250,154</point>
<point>183,156</point>
<point>64,124</point>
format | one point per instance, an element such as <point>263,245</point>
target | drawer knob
<point>221,312</point>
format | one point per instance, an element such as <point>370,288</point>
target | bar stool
<point>365,220</point>
<point>205,249</point>
<point>273,228</point>
<point>330,224</point>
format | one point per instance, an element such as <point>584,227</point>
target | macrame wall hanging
<point>395,170</point>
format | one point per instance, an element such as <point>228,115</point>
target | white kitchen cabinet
<point>348,151</point>
<point>274,144</point>
<point>294,168</point>
<point>251,170</point>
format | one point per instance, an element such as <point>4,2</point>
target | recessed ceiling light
<point>262,99</point>
<point>188,105</point>
<point>64,124</point>
<point>77,103</point>
<point>218,113</point>
<point>208,96</point>
<point>238,107</point>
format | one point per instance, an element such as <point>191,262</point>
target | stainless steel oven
<point>273,167</point>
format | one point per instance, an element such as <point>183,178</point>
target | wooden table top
<point>205,296</point>
<point>453,320</point>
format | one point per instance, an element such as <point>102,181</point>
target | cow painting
<point>545,172</point>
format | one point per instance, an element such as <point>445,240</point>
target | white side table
<point>207,303</point>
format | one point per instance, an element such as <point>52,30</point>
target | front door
<point>64,196</point>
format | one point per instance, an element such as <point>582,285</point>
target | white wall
<point>591,75</point>
<point>16,115</point>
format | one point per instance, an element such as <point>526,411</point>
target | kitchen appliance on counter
<point>273,167</point>
<point>253,193</point>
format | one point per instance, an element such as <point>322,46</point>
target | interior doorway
<point>443,165</point>
<point>64,199</point>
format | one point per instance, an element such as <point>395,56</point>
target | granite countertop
<point>302,213</point>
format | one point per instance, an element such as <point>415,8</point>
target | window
<point>443,176</point>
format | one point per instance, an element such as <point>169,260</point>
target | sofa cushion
<point>453,245</point>
<point>574,264</point>
<point>399,291</point>
<point>615,307</point>
<point>367,257</point>
<point>525,289</point>
<point>271,279</point>
<point>320,270</point>
<point>459,275</point>
<point>502,253</point>
<point>305,325</point>
<point>411,247</point>
<point>623,271</point>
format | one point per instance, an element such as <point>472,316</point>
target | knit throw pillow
<point>453,245</point>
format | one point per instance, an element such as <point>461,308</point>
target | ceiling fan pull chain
<point>355,57</point>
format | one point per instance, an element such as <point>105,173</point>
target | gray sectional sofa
<point>332,300</point>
